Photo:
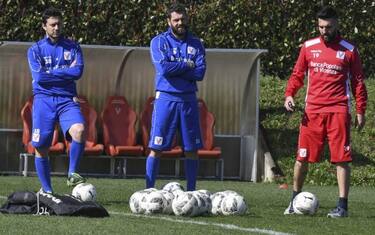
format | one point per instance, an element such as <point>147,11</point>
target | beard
<point>329,37</point>
<point>179,31</point>
<point>54,35</point>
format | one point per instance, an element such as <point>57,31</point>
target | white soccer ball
<point>208,205</point>
<point>233,204</point>
<point>143,202</point>
<point>85,192</point>
<point>155,202</point>
<point>217,194</point>
<point>205,192</point>
<point>204,202</point>
<point>172,186</point>
<point>178,193</point>
<point>306,203</point>
<point>135,202</point>
<point>168,202</point>
<point>216,200</point>
<point>185,205</point>
<point>149,190</point>
<point>201,205</point>
<point>230,192</point>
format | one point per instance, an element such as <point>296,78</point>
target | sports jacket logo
<point>158,140</point>
<point>191,50</point>
<point>302,152</point>
<point>36,135</point>
<point>67,55</point>
<point>340,55</point>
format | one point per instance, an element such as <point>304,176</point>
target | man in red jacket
<point>333,68</point>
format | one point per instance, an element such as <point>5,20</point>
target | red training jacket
<point>331,68</point>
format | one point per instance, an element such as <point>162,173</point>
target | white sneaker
<point>42,191</point>
<point>290,210</point>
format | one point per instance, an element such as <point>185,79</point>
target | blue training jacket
<point>52,67</point>
<point>169,56</point>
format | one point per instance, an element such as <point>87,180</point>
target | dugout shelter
<point>230,89</point>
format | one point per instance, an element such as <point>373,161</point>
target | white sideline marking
<point>225,226</point>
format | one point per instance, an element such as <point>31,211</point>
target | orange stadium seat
<point>207,123</point>
<point>26,115</point>
<point>119,134</point>
<point>209,151</point>
<point>90,116</point>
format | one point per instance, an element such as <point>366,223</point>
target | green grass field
<point>265,215</point>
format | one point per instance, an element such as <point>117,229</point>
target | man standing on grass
<point>179,61</point>
<point>55,64</point>
<point>333,69</point>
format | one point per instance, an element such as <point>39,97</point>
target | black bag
<point>40,203</point>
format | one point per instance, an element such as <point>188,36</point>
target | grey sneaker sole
<point>337,213</point>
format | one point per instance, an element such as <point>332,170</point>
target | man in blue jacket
<point>56,63</point>
<point>179,60</point>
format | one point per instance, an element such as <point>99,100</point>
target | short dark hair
<point>50,12</point>
<point>327,12</point>
<point>176,7</point>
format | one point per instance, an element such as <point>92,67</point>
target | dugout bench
<point>122,165</point>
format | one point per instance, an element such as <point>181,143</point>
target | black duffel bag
<point>26,202</point>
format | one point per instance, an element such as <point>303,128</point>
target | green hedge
<point>277,25</point>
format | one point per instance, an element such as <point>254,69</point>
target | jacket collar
<point>48,39</point>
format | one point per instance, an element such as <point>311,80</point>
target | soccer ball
<point>178,193</point>
<point>201,204</point>
<point>85,192</point>
<point>143,200</point>
<point>154,202</point>
<point>135,202</point>
<point>208,203</point>
<point>185,205</point>
<point>306,203</point>
<point>149,190</point>
<point>217,194</point>
<point>230,192</point>
<point>172,186</point>
<point>216,200</point>
<point>138,201</point>
<point>204,202</point>
<point>205,192</point>
<point>233,204</point>
<point>168,202</point>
